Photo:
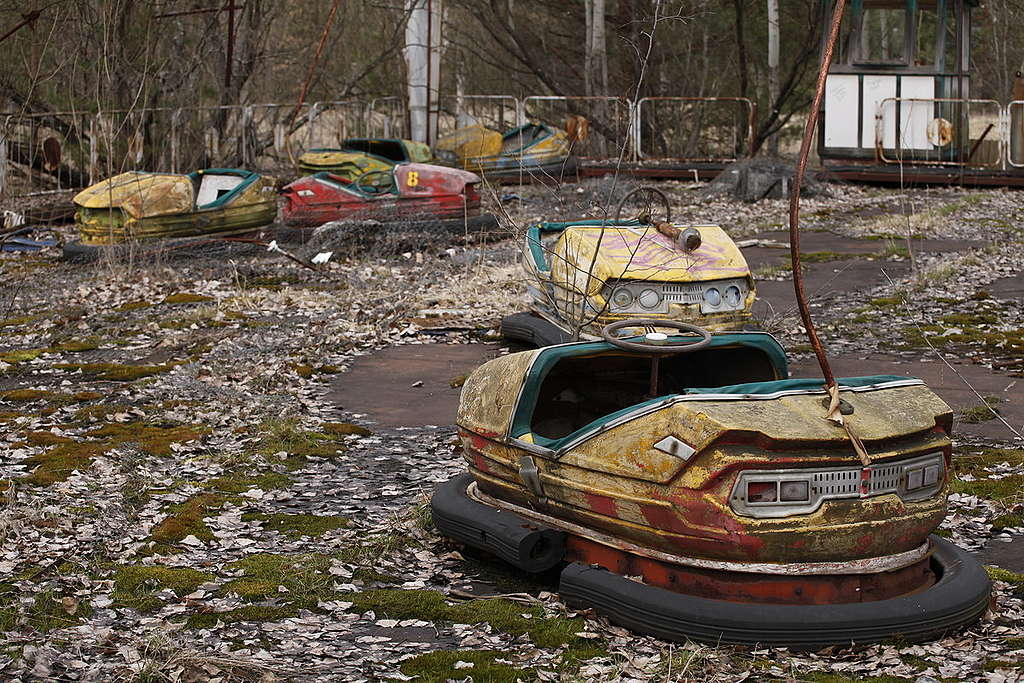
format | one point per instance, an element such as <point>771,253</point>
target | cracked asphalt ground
<point>216,467</point>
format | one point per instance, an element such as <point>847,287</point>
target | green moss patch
<point>1007,521</point>
<point>134,305</point>
<point>1000,490</point>
<point>975,463</point>
<point>136,586</point>
<point>23,319</point>
<point>50,611</point>
<point>822,677</point>
<point>99,411</point>
<point>824,256</point>
<point>116,372</point>
<point>953,335</point>
<point>60,462</point>
<point>77,345</point>
<point>1006,665</point>
<point>503,615</point>
<point>287,436</point>
<point>21,356</point>
<point>981,413</point>
<point>67,455</point>
<point>241,484</point>
<point>186,519</point>
<point>253,613</point>
<point>344,429</point>
<point>439,667</point>
<point>155,439</point>
<point>367,575</point>
<point>998,574</point>
<point>306,577</point>
<point>186,298</point>
<point>32,395</point>
<point>297,526</point>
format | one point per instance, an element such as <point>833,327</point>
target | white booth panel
<point>915,116</point>
<point>841,110</point>
<point>876,89</point>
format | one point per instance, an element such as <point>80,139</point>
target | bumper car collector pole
<point>834,410</point>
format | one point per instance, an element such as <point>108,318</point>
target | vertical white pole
<point>416,67</point>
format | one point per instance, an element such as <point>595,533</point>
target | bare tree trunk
<point>741,47</point>
<point>588,47</point>
<point>773,67</point>
<point>599,50</point>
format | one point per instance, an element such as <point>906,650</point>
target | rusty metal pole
<point>315,62</point>
<point>26,20</point>
<point>794,200</point>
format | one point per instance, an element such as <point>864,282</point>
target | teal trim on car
<point>797,384</point>
<point>249,178</point>
<point>548,357</point>
<point>518,131</point>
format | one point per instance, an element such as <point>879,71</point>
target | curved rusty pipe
<point>794,199</point>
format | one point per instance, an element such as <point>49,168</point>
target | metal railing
<point>941,132</point>
<point>1014,127</point>
<point>500,112</point>
<point>694,129</point>
<point>70,149</point>
<point>610,122</point>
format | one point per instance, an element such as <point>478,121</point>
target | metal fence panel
<point>52,149</point>
<point>387,118</point>
<point>694,129</point>
<point>608,122</point>
<point>499,112</point>
<point>330,123</point>
<point>940,132</point>
<point>1013,121</point>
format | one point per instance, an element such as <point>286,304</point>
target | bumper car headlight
<point>622,298</point>
<point>794,492</point>
<point>649,299</point>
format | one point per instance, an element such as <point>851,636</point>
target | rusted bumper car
<point>357,156</point>
<point>691,490</point>
<point>418,196</point>
<point>583,275</point>
<point>157,209</point>
<point>532,149</point>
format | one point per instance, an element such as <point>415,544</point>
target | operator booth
<point>899,91</point>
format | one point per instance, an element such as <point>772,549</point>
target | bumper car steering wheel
<point>656,342</point>
<point>375,182</point>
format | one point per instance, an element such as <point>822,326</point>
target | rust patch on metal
<point>755,588</point>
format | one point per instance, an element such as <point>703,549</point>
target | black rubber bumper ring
<point>521,542</point>
<point>960,597</point>
<point>533,330</point>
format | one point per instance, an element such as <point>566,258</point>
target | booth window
<point>883,36</point>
